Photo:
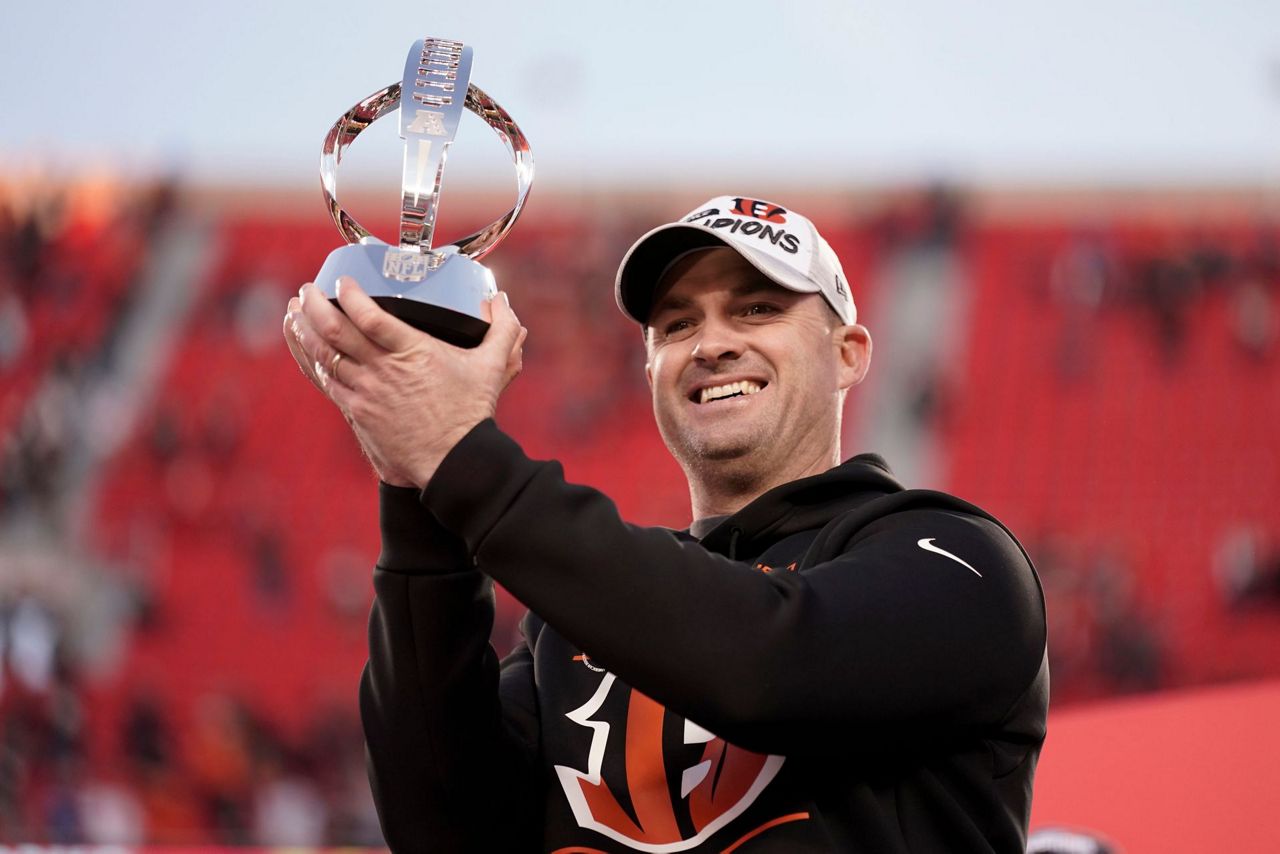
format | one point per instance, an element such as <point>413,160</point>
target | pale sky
<point>626,94</point>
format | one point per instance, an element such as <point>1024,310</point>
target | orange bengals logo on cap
<point>760,210</point>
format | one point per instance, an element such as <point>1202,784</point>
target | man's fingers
<point>303,360</point>
<point>296,350</point>
<point>343,397</point>
<point>320,362</point>
<point>515,361</point>
<point>381,327</point>
<point>333,327</point>
<point>504,328</point>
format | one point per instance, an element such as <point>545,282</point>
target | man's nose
<point>717,340</point>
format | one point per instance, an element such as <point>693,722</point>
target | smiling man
<point>746,391</point>
<point>823,661</point>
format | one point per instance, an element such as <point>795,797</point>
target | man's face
<point>746,373</point>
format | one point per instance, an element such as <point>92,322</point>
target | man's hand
<point>409,397</point>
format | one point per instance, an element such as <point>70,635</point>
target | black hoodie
<point>865,666</point>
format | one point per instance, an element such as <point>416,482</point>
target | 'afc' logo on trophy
<point>427,122</point>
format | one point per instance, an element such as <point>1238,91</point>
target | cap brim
<point>649,257</point>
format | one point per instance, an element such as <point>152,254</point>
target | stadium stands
<point>1115,402</point>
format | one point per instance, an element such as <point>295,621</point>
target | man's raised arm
<point>451,736</point>
<point>877,639</point>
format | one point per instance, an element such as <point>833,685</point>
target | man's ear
<point>648,359</point>
<point>854,345</point>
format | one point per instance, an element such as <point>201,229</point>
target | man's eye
<point>676,326</point>
<point>761,308</point>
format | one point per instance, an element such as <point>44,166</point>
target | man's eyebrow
<point>753,287</point>
<point>756,286</point>
<point>670,303</point>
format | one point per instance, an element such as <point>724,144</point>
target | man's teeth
<point>718,391</point>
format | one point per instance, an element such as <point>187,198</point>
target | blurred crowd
<point>1164,288</point>
<point>231,778</point>
<point>71,262</point>
<point>225,769</point>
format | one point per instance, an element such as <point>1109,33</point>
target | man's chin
<point>721,448</point>
<point>702,445</point>
<point>723,451</point>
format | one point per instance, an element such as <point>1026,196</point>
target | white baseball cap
<point>778,242</point>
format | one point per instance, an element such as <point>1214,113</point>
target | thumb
<point>515,360</point>
<point>504,329</point>
<point>378,325</point>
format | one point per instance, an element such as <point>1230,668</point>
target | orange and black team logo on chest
<point>659,799</point>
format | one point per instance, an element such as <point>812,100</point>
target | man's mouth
<point>742,388</point>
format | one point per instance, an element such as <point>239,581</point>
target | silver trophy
<point>439,291</point>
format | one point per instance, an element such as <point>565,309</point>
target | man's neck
<point>724,489</point>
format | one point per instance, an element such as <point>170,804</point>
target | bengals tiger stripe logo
<point>712,792</point>
<point>766,211</point>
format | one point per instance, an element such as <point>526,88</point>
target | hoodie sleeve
<point>450,735</point>
<point>928,622</point>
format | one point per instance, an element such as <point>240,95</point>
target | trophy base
<point>453,327</point>
<point>444,301</point>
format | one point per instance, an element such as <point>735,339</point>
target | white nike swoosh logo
<point>927,545</point>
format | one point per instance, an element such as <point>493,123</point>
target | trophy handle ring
<point>350,125</point>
